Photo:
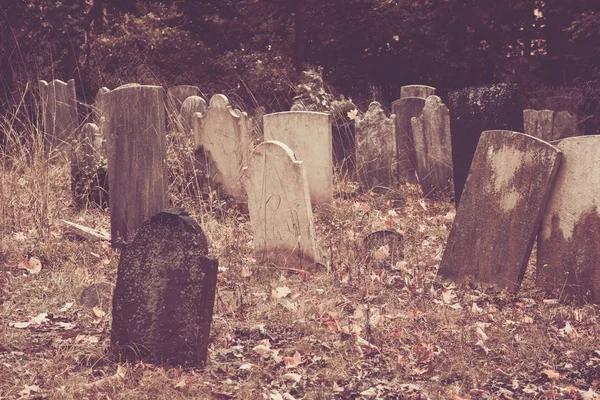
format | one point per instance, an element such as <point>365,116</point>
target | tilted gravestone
<point>477,109</point>
<point>405,109</point>
<point>420,91</point>
<point>60,120</point>
<point>190,106</point>
<point>308,134</point>
<point>549,125</point>
<point>568,246</point>
<point>164,296</point>
<point>433,147</point>
<point>501,209</point>
<point>279,205</point>
<point>376,148</point>
<point>133,123</point>
<point>224,135</point>
<point>179,93</point>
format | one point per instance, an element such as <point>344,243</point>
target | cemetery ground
<point>371,323</point>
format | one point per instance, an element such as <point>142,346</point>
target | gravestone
<point>60,120</point>
<point>279,205</point>
<point>97,107</point>
<point>190,106</point>
<point>477,109</point>
<point>549,125</point>
<point>420,91</point>
<point>499,216</point>
<point>257,124</point>
<point>568,247</point>
<point>134,127</point>
<point>178,94</point>
<point>376,148</point>
<point>433,147</point>
<point>405,109</point>
<point>224,135</point>
<point>297,107</point>
<point>164,296</point>
<point>308,134</point>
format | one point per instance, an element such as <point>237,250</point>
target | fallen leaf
<point>551,374</point>
<point>66,307</point>
<point>19,325</point>
<point>246,366</point>
<point>448,296</point>
<point>294,361</point>
<point>281,292</point>
<point>381,253</point>
<point>98,312</point>
<point>33,265</point>
<point>481,334</point>
<point>246,271</point>
<point>40,319</point>
<point>28,390</point>
<point>292,377</point>
<point>263,351</point>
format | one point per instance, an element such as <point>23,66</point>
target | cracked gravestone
<point>60,120</point>
<point>498,218</point>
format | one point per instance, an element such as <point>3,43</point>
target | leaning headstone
<point>420,91</point>
<point>134,127</point>
<point>549,125</point>
<point>179,93</point>
<point>279,205</point>
<point>308,134</point>
<point>224,134</point>
<point>164,296</point>
<point>433,146</point>
<point>376,148</point>
<point>60,120</point>
<point>568,247</point>
<point>500,213</point>
<point>190,106</point>
<point>477,109</point>
<point>405,109</point>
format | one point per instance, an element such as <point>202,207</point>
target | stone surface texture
<point>420,91</point>
<point>164,296</point>
<point>549,125</point>
<point>224,134</point>
<point>134,126</point>
<point>191,106</point>
<point>279,205</point>
<point>433,147</point>
<point>309,136</point>
<point>60,120</point>
<point>499,215</point>
<point>376,148</point>
<point>568,247</point>
<point>405,109</point>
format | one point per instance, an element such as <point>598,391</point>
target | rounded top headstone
<point>219,101</point>
<point>297,107</point>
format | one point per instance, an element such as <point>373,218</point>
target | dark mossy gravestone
<point>165,291</point>
<point>477,109</point>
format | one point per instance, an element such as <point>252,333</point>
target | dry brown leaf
<point>551,374</point>
<point>294,361</point>
<point>280,292</point>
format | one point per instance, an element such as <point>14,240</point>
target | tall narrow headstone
<point>308,134</point>
<point>164,296</point>
<point>190,106</point>
<point>420,91</point>
<point>224,134</point>
<point>279,205</point>
<point>60,120</point>
<point>376,148</point>
<point>477,109</point>
<point>405,109</point>
<point>499,215</point>
<point>431,135</point>
<point>133,123</point>
<point>568,249</point>
<point>181,92</point>
<point>97,108</point>
<point>549,125</point>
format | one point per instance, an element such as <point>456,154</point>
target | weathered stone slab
<point>308,134</point>
<point>376,148</point>
<point>549,125</point>
<point>433,146</point>
<point>97,107</point>
<point>164,296</point>
<point>279,205</point>
<point>134,127</point>
<point>405,109</point>
<point>568,247</point>
<point>500,212</point>
<point>190,106</point>
<point>224,134</point>
<point>420,91</point>
<point>181,92</point>
<point>60,120</point>
<point>477,109</point>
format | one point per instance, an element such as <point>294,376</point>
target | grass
<point>362,326</point>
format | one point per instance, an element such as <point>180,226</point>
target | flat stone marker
<point>549,125</point>
<point>279,205</point>
<point>405,109</point>
<point>181,92</point>
<point>164,296</point>
<point>134,126</point>
<point>60,120</point>
<point>568,247</point>
<point>376,148</point>
<point>477,109</point>
<point>433,146</point>
<point>308,134</point>
<point>190,106</point>
<point>224,134</point>
<point>420,91</point>
<point>500,213</point>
